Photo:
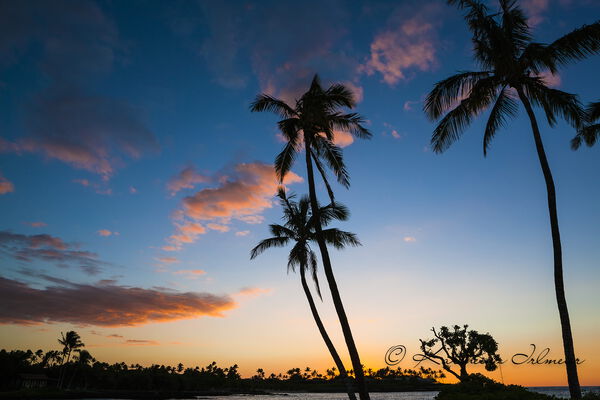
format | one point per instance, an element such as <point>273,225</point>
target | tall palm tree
<point>299,229</point>
<point>310,124</point>
<point>71,341</point>
<point>590,133</point>
<point>511,63</point>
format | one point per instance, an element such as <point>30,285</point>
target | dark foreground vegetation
<point>479,387</point>
<point>38,374</point>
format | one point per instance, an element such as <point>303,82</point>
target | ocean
<point>558,391</point>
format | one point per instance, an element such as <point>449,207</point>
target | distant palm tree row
<point>511,69</point>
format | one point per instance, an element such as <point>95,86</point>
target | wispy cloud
<point>103,305</point>
<point>409,239</point>
<point>242,233</point>
<point>241,195</point>
<point>190,273</point>
<point>188,178</point>
<point>407,45</point>
<point>36,224</point>
<point>44,247</point>
<point>168,260</point>
<point>106,232</point>
<point>253,291</point>
<point>6,186</point>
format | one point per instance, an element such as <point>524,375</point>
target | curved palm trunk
<point>335,294</point>
<point>570,362</point>
<point>326,339</point>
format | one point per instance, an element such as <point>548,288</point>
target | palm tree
<point>70,341</point>
<point>590,132</point>
<point>310,125</point>
<point>299,229</point>
<point>512,63</point>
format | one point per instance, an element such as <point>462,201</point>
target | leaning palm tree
<point>71,341</point>
<point>310,125</point>
<point>299,229</point>
<point>591,131</point>
<point>511,65</point>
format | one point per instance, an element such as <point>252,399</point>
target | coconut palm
<point>71,341</point>
<point>310,125</point>
<point>299,229</point>
<point>511,67</point>
<point>591,131</point>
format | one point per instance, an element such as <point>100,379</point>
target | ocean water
<point>561,392</point>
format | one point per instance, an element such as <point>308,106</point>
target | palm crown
<point>299,229</point>
<point>510,61</point>
<point>591,132</point>
<point>314,119</point>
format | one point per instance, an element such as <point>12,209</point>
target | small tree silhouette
<point>461,347</point>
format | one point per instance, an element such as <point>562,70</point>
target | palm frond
<point>352,123</point>
<point>504,107</point>
<point>458,119</point>
<point>554,102</point>
<point>312,258</point>
<point>264,102</point>
<point>334,211</point>
<point>577,45</point>
<point>298,256</point>
<point>281,231</point>
<point>323,175</point>
<point>590,133</point>
<point>332,155</point>
<point>266,244</point>
<point>285,160</point>
<point>340,239</point>
<point>451,90</point>
<point>290,128</point>
<point>338,95</point>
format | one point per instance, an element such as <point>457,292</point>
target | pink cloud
<point>242,195</point>
<point>141,342</point>
<point>242,233</point>
<point>408,45</point>
<point>252,219</point>
<point>106,232</point>
<point>6,186</point>
<point>248,194</point>
<point>551,79</point>
<point>186,179</point>
<point>37,224</point>
<point>218,227</point>
<point>190,273</point>
<point>395,134</point>
<point>535,10</point>
<point>253,291</point>
<point>72,126</point>
<point>343,139</point>
<point>168,260</point>
<point>409,239</point>
<point>103,305</point>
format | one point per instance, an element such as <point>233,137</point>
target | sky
<point>134,180</point>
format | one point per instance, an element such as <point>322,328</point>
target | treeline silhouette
<point>84,373</point>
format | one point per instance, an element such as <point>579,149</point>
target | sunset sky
<point>134,181</point>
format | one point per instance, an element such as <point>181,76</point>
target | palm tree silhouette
<point>71,341</point>
<point>511,62</point>
<point>310,124</point>
<point>591,132</point>
<point>299,229</point>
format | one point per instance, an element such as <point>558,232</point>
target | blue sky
<point>103,105</point>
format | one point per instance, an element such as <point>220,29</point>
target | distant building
<point>33,380</point>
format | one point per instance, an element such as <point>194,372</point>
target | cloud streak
<point>406,46</point>
<point>44,247</point>
<point>104,304</point>
<point>241,195</point>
